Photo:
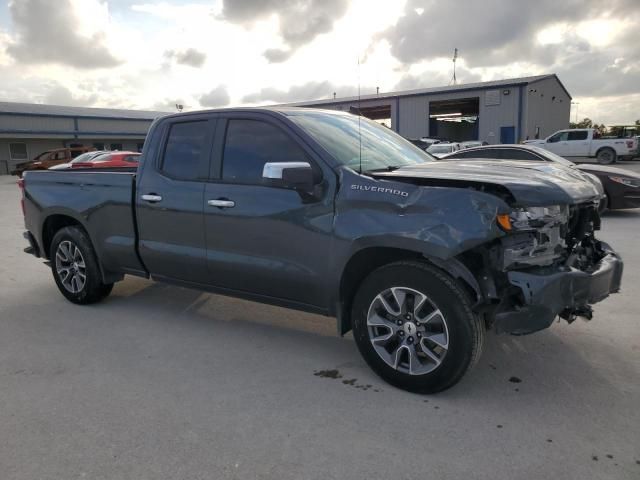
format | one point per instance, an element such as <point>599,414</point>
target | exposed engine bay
<point>552,265</point>
<point>543,236</point>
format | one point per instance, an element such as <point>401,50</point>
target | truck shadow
<point>550,369</point>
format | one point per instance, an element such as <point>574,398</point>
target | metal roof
<point>432,90</point>
<point>37,109</point>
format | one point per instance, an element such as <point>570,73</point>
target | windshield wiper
<point>389,168</point>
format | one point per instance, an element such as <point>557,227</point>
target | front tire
<point>75,268</point>
<point>414,327</point>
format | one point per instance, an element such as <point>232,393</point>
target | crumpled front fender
<point>441,222</point>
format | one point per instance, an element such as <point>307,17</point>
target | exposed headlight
<point>629,182</point>
<point>532,218</point>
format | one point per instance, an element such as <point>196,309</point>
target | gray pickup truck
<point>331,213</point>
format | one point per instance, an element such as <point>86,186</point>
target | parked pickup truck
<point>325,212</point>
<point>585,143</point>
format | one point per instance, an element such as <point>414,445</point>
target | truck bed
<point>102,202</point>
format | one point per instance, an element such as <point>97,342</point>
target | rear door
<point>579,143</point>
<point>170,199</point>
<point>268,241</point>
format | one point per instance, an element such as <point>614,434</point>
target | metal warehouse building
<point>27,130</point>
<point>504,111</point>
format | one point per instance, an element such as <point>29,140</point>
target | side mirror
<point>296,175</point>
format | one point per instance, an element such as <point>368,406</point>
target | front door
<point>265,240</point>
<point>579,143</point>
<point>559,144</point>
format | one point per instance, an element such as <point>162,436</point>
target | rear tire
<point>606,156</point>
<point>425,344</point>
<point>75,267</point>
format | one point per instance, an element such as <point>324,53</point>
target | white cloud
<point>150,50</point>
<point>56,32</point>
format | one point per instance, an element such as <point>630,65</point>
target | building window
<point>116,146</point>
<point>98,145</point>
<point>140,146</point>
<point>18,151</point>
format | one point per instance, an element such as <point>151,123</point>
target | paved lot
<point>160,382</point>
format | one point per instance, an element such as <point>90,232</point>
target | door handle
<point>151,197</point>
<point>221,203</point>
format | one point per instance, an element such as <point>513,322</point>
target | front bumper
<point>568,292</point>
<point>627,199</point>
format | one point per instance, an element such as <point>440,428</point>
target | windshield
<point>439,148</point>
<point>84,157</point>
<point>341,136</point>
<point>103,157</point>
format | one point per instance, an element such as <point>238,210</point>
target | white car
<point>470,144</point>
<point>431,141</point>
<point>85,157</point>
<point>439,150</point>
<point>587,143</point>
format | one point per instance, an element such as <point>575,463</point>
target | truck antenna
<point>359,115</point>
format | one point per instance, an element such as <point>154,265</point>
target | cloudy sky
<point>208,53</point>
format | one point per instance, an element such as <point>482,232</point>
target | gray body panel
<point>100,202</point>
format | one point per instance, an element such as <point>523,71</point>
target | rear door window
<point>184,150</point>
<point>579,135</point>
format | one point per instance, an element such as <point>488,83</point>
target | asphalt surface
<point>160,382</point>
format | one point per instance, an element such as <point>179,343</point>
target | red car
<point>110,160</point>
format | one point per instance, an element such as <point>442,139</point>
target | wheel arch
<point>58,220</point>
<point>368,259</point>
<point>52,224</point>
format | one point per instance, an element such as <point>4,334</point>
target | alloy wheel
<point>70,266</point>
<point>407,330</point>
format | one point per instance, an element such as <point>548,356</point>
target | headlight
<point>629,182</point>
<point>532,218</point>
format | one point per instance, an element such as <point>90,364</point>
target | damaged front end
<point>550,264</point>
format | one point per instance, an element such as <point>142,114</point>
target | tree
<point>584,123</point>
<point>601,129</point>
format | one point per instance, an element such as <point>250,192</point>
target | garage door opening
<point>454,120</point>
<point>381,113</point>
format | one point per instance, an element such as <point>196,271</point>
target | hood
<point>606,170</point>
<point>529,183</point>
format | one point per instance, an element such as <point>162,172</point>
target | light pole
<point>576,104</point>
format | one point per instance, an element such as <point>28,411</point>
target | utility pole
<point>576,104</point>
<point>455,57</point>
